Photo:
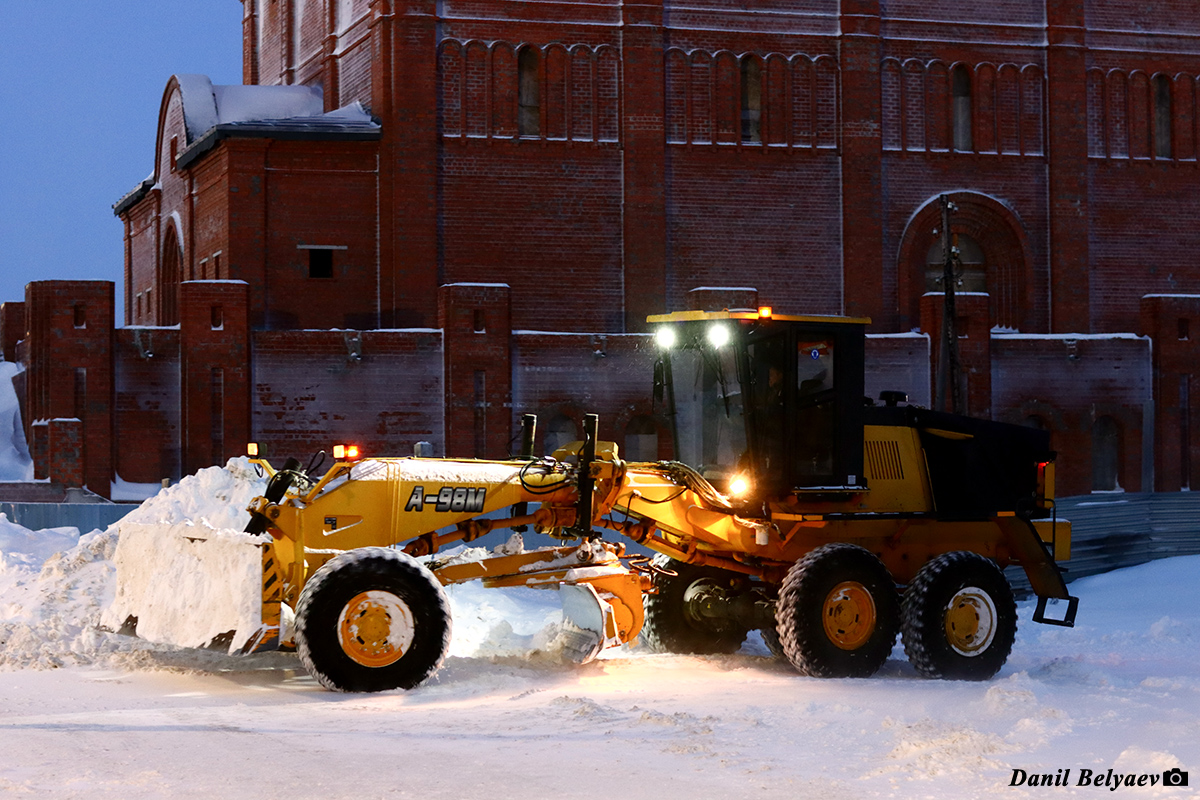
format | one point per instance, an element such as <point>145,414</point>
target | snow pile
<point>187,584</point>
<point>514,622</point>
<point>15,464</point>
<point>54,583</point>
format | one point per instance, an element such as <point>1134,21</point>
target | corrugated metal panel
<point>1121,530</point>
<point>84,516</point>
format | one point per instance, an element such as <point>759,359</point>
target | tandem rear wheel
<point>838,613</point>
<point>959,618</point>
<point>371,620</point>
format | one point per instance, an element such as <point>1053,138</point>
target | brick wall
<point>560,377</point>
<point>69,361</point>
<point>65,450</point>
<point>382,390</point>
<point>1146,246</point>
<point>1171,321</point>
<point>214,372</point>
<point>1068,383</point>
<point>12,329</point>
<point>899,362</point>
<point>540,214</point>
<point>973,329</point>
<point>738,216</point>
<point>146,378</point>
<point>476,323</point>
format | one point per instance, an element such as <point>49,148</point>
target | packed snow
<point>84,713</point>
<point>15,464</point>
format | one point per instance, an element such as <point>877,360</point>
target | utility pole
<point>949,370</point>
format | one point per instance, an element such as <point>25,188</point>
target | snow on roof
<point>1062,337</point>
<point>205,105</point>
<point>249,103</point>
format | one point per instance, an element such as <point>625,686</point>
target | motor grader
<point>830,522</point>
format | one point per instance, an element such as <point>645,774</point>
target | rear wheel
<point>959,618</point>
<point>838,613</point>
<point>672,624</point>
<point>370,620</point>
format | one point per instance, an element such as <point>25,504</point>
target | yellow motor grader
<point>794,505</point>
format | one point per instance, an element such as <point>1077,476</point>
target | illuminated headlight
<point>718,335</point>
<point>739,485</point>
<point>665,336</point>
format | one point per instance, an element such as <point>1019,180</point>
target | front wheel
<point>672,624</point>
<point>838,613</point>
<point>959,618</point>
<point>371,620</point>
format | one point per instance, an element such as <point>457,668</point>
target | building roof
<point>212,113</point>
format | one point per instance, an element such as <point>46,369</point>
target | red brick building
<point>418,220</point>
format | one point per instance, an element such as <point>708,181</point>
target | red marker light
<point>345,452</point>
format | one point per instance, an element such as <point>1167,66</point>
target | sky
<point>81,82</point>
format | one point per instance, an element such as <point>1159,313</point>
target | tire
<point>371,620</point>
<point>959,618</point>
<point>770,637</point>
<point>838,613</point>
<point>670,627</point>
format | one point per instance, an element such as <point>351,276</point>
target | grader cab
<point>794,506</point>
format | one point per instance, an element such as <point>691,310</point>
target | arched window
<point>961,89</point>
<point>1162,116</point>
<point>1106,455</point>
<point>751,99</point>
<point>560,430</point>
<point>168,279</point>
<point>641,440</point>
<point>529,110</point>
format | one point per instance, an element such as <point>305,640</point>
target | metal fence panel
<point>1122,530</point>
<point>86,517</point>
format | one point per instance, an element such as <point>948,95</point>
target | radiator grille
<point>883,461</point>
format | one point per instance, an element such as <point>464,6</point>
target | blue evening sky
<point>81,82</point>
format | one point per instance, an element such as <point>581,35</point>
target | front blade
<point>586,622</point>
<point>191,586</point>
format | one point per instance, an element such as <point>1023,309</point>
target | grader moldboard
<point>794,506</point>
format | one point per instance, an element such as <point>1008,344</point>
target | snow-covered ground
<point>92,715</point>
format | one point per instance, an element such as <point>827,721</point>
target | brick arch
<point>1002,237</point>
<point>170,268</point>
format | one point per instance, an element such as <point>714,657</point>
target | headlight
<point>718,335</point>
<point>739,486</point>
<point>665,336</point>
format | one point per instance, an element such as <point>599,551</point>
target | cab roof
<point>752,314</point>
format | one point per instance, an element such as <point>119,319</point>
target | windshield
<point>709,411</point>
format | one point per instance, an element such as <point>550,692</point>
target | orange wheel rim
<point>970,621</point>
<point>849,615</point>
<point>375,628</point>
